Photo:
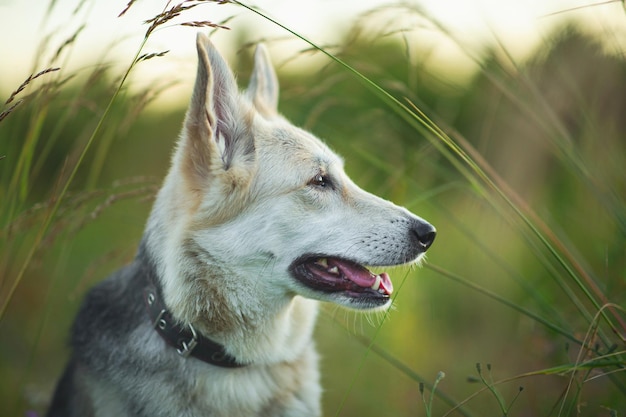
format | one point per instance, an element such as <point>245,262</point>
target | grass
<point>521,170</point>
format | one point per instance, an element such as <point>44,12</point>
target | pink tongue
<point>361,276</point>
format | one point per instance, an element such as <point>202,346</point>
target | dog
<point>255,223</point>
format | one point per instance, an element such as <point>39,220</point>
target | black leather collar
<point>185,339</point>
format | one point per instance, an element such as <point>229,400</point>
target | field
<point>519,309</point>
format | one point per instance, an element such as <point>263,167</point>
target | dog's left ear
<point>263,87</point>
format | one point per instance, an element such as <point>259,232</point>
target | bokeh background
<point>519,160</point>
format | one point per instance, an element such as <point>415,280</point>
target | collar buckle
<point>188,346</point>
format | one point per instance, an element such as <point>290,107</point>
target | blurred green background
<point>527,276</point>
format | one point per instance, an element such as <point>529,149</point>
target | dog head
<point>260,211</point>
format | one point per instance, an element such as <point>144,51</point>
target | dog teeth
<point>376,285</point>
<point>323,262</point>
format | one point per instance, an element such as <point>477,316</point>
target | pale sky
<point>518,24</point>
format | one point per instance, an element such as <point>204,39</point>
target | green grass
<point>520,169</point>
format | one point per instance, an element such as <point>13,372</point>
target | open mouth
<point>336,275</point>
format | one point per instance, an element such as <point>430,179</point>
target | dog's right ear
<point>263,87</point>
<point>214,134</point>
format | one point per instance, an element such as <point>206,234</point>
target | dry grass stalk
<point>141,101</point>
<point>166,16</point>
<point>147,191</point>
<point>28,81</point>
<point>67,221</point>
<point>9,110</point>
<point>205,23</point>
<point>128,6</point>
<point>67,42</point>
<point>176,11</point>
<point>146,57</point>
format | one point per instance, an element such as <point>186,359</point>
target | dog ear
<point>263,87</point>
<point>215,132</point>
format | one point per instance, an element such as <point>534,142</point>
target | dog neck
<point>184,339</point>
<point>223,307</point>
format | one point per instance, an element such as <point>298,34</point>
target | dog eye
<point>320,181</point>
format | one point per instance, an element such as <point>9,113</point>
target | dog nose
<point>425,233</point>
